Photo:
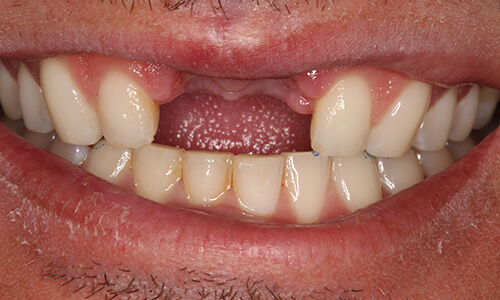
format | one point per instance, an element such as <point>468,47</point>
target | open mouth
<point>322,179</point>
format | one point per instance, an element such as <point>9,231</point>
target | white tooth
<point>40,140</point>
<point>15,125</point>
<point>76,154</point>
<point>393,135</point>
<point>397,174</point>
<point>433,162</point>
<point>306,181</point>
<point>464,115</point>
<point>488,99</point>
<point>434,131</point>
<point>35,114</point>
<point>128,117</point>
<point>356,180</point>
<point>257,182</point>
<point>9,94</point>
<point>157,169</point>
<point>206,175</point>
<point>459,149</point>
<point>74,119</point>
<point>341,119</point>
<point>108,162</point>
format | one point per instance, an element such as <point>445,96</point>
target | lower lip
<point>60,213</point>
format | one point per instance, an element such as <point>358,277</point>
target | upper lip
<point>436,50</point>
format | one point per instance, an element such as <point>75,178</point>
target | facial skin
<point>437,240</point>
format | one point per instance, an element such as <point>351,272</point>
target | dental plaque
<point>298,150</point>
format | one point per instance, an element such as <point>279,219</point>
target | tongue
<point>256,125</point>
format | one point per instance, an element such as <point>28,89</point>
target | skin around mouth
<point>67,234</point>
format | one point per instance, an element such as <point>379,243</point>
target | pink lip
<point>418,243</point>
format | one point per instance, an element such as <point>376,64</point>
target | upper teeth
<point>339,177</point>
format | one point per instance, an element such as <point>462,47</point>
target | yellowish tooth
<point>306,181</point>
<point>397,174</point>
<point>40,140</point>
<point>341,119</point>
<point>157,169</point>
<point>128,117</point>
<point>356,180</point>
<point>488,99</point>
<point>393,135</point>
<point>433,162</point>
<point>16,126</point>
<point>459,149</point>
<point>35,114</point>
<point>74,119</point>
<point>76,154</point>
<point>464,115</point>
<point>257,182</point>
<point>9,94</point>
<point>206,175</point>
<point>434,131</point>
<point>108,162</point>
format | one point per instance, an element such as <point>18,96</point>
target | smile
<point>245,170</point>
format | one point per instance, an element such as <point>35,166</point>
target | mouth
<point>247,169</point>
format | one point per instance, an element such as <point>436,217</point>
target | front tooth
<point>434,131</point>
<point>9,94</point>
<point>488,99</point>
<point>257,182</point>
<point>341,119</point>
<point>75,120</point>
<point>392,137</point>
<point>157,169</point>
<point>76,154</point>
<point>206,175</point>
<point>397,174</point>
<point>108,162</point>
<point>459,149</point>
<point>36,116</point>
<point>127,116</point>
<point>40,140</point>
<point>306,181</point>
<point>463,117</point>
<point>433,162</point>
<point>356,180</point>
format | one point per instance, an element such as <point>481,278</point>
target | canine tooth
<point>108,162</point>
<point>306,181</point>
<point>15,125</point>
<point>128,117</point>
<point>257,182</point>
<point>40,140</point>
<point>9,94</point>
<point>76,154</point>
<point>74,119</point>
<point>488,99</point>
<point>341,119</point>
<point>463,117</point>
<point>459,149</point>
<point>356,180</point>
<point>393,136</point>
<point>433,162</point>
<point>397,174</point>
<point>435,128</point>
<point>157,168</point>
<point>35,114</point>
<point>206,175</point>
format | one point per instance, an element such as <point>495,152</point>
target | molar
<point>128,117</point>
<point>394,134</point>
<point>341,119</point>
<point>9,94</point>
<point>75,120</point>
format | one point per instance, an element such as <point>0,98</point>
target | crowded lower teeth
<point>354,164</point>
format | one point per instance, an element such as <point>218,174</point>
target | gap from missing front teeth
<point>408,143</point>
